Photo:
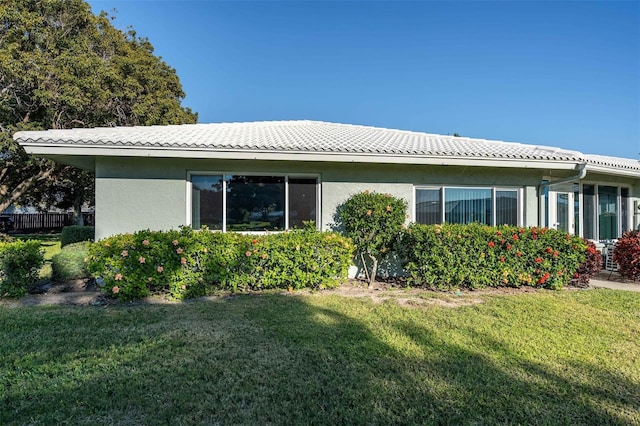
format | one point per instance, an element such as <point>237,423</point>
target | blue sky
<point>564,74</point>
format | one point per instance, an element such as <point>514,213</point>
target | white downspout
<point>582,172</point>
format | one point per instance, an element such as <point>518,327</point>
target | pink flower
<point>183,261</point>
<point>124,253</point>
<point>175,242</point>
<point>149,279</point>
<point>115,289</point>
<point>248,253</point>
<point>179,250</point>
<point>118,277</point>
<point>141,259</point>
<point>160,269</point>
<point>145,242</point>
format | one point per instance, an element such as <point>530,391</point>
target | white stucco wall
<point>141,193</point>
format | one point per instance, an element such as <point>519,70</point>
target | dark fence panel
<point>32,222</point>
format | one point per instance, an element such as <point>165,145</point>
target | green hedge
<point>76,234</point>
<point>477,256</point>
<point>70,262</point>
<point>185,263</point>
<point>20,264</point>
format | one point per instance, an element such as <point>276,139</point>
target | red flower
<point>538,260</point>
<point>534,236</point>
<point>549,250</point>
<point>591,250</point>
<point>575,247</point>
<point>518,254</point>
<point>501,258</point>
<point>544,278</point>
<point>515,237</point>
<point>491,244</point>
<point>508,246</point>
<point>556,253</point>
<point>521,231</point>
<point>254,241</point>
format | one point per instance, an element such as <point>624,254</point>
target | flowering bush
<point>477,256</point>
<point>20,263</point>
<point>591,265</point>
<point>185,263</point>
<point>292,260</point>
<point>373,221</point>
<point>627,255</point>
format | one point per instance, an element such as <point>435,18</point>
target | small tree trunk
<point>374,270</point>
<point>77,209</point>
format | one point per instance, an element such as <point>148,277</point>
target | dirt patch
<point>81,292</point>
<point>86,293</point>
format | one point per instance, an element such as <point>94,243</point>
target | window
<point>428,206</point>
<point>607,212</point>
<point>588,211</point>
<point>252,203</point>
<point>489,206</point>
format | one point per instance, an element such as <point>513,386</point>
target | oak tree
<point>62,67</point>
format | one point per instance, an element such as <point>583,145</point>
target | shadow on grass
<point>281,359</point>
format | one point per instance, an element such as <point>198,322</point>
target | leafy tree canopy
<point>63,67</point>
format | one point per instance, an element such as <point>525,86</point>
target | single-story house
<point>262,176</point>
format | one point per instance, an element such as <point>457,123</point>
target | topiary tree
<point>373,222</point>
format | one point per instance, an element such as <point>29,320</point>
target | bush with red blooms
<point>627,255</point>
<point>592,265</point>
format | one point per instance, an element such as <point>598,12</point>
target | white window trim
<point>494,189</point>
<point>224,174</point>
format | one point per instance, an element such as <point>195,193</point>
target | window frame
<point>226,174</point>
<point>494,189</point>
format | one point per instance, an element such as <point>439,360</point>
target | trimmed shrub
<point>477,256</point>
<point>291,260</point>
<point>76,234</point>
<point>20,264</point>
<point>591,265</point>
<point>185,263</point>
<point>627,255</point>
<point>70,263</point>
<point>373,221</point>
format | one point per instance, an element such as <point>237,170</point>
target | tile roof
<point>621,163</point>
<point>296,136</point>
<point>313,137</point>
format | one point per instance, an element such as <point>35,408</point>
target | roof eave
<point>48,149</point>
<point>610,170</point>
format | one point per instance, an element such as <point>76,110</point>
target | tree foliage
<point>63,67</point>
<point>373,221</point>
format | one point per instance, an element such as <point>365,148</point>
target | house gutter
<point>582,172</point>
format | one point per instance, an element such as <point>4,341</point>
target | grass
<point>50,243</point>
<point>570,357</point>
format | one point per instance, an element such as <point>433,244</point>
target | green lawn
<point>568,357</point>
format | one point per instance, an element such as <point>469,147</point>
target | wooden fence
<point>34,222</point>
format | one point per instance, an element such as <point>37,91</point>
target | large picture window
<point>252,203</point>
<point>490,206</point>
